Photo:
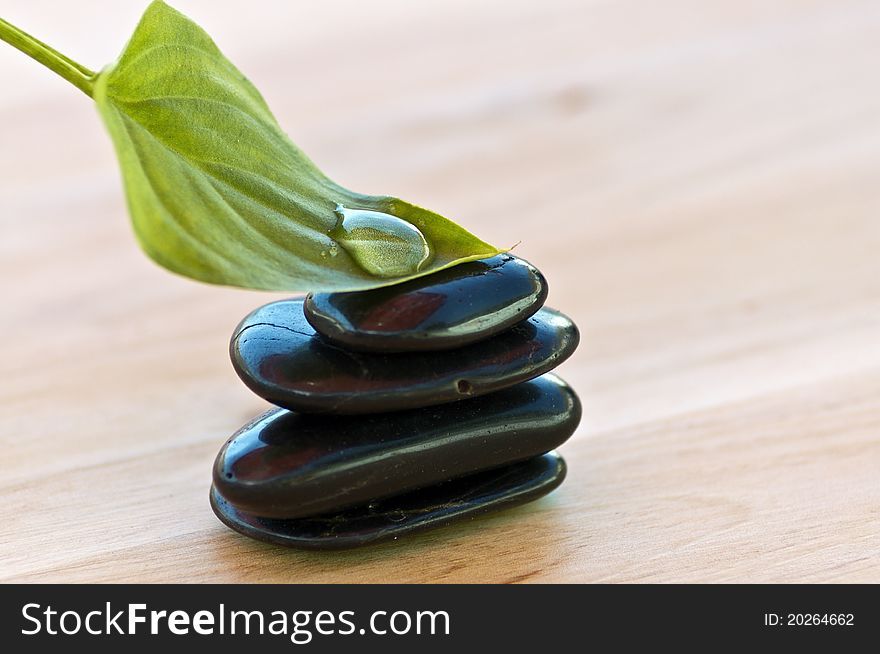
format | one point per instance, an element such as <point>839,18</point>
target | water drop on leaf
<point>381,244</point>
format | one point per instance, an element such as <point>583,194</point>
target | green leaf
<point>218,192</point>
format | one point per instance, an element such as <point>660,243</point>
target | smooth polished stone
<point>291,465</point>
<point>461,499</point>
<point>448,309</point>
<point>281,358</point>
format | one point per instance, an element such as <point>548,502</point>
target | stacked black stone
<point>401,408</point>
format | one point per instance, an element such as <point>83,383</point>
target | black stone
<point>436,506</point>
<point>281,358</point>
<point>291,465</point>
<point>448,309</point>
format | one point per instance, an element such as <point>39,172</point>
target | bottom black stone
<point>437,506</point>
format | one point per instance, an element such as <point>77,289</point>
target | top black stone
<point>448,309</point>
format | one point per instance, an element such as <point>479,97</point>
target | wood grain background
<point>700,182</point>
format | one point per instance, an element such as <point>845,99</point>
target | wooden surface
<point>700,182</point>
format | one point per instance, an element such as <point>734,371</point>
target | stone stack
<point>401,408</point>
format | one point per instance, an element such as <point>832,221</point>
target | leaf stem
<point>80,76</point>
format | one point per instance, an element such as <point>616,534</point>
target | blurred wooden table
<point>699,181</point>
